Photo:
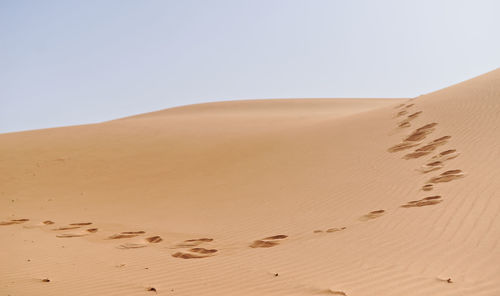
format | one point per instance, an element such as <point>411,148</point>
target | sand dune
<point>265,197</point>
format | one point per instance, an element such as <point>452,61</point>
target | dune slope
<point>266,197</point>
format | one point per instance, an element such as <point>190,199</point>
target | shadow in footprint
<point>447,176</point>
<point>274,237</point>
<point>427,187</point>
<point>446,155</point>
<point>126,234</point>
<point>401,113</point>
<point>268,242</point>
<point>330,292</point>
<point>414,115</point>
<point>335,229</point>
<point>154,239</point>
<point>372,215</point>
<point>415,138</point>
<point>13,221</point>
<point>420,133</point>
<point>203,250</point>
<point>403,146</point>
<point>404,124</point>
<point>195,253</point>
<point>70,235</point>
<point>427,201</point>
<point>263,244</point>
<point>189,255</point>
<point>424,150</point>
<point>431,166</point>
<point>203,240</point>
<point>65,228</point>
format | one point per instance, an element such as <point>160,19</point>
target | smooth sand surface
<point>350,197</point>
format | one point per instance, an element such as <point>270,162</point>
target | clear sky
<point>72,62</point>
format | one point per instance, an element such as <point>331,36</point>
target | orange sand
<point>264,197</point>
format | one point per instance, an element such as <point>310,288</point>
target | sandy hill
<point>265,197</point>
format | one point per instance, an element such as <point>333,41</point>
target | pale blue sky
<point>73,62</point>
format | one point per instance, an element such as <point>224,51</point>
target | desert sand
<point>350,197</point>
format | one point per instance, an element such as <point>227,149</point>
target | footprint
<point>141,244</point>
<point>445,279</point>
<point>372,215</point>
<point>421,133</point>
<point>431,166</point>
<point>78,234</point>
<point>446,155</point>
<point>427,201</point>
<point>415,138</point>
<point>414,115</point>
<point>69,235</point>
<point>409,105</point>
<point>120,236</point>
<point>335,229</point>
<point>65,228</point>
<point>194,242</point>
<point>133,232</point>
<point>436,143</point>
<point>268,242</point>
<point>204,240</point>
<point>427,187</point>
<point>194,253</point>
<point>330,230</point>
<point>154,239</point>
<point>399,106</point>
<point>329,292</point>
<point>48,222</point>
<point>440,141</point>
<point>416,154</point>
<point>132,245</point>
<point>338,293</point>
<point>14,221</point>
<point>4,223</point>
<point>279,236</point>
<point>401,113</point>
<point>263,244</point>
<point>447,176</point>
<point>403,146</point>
<point>126,234</point>
<point>188,255</point>
<point>20,220</point>
<point>203,250</point>
<point>404,124</point>
<point>424,150</point>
